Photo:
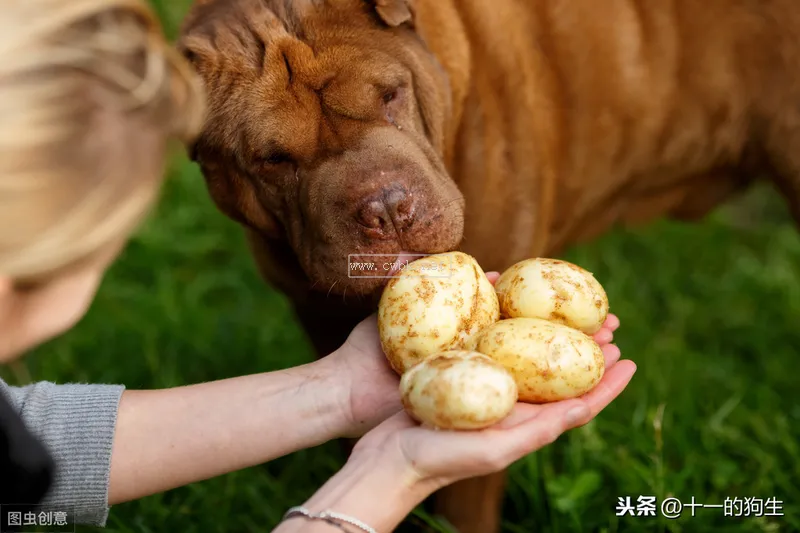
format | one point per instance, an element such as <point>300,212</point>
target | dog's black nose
<point>389,211</point>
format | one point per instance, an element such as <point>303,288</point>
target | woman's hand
<point>404,463</point>
<point>372,388</point>
<point>440,457</point>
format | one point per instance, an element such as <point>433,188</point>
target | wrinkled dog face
<point>325,129</point>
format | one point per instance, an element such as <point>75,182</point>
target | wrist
<point>377,486</point>
<point>366,391</point>
<point>333,396</point>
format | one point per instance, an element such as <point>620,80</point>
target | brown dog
<point>504,128</point>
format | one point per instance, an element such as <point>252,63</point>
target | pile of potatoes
<point>468,351</point>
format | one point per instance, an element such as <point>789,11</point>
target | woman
<point>90,93</point>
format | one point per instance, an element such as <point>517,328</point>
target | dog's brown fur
<point>508,129</point>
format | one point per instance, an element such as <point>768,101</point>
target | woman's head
<point>90,92</point>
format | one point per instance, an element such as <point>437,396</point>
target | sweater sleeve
<point>76,422</point>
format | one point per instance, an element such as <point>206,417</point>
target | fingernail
<point>577,415</point>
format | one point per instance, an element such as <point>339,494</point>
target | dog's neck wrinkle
<point>459,37</point>
<point>441,28</point>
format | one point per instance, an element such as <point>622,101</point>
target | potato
<point>554,290</point>
<point>437,303</point>
<point>458,389</point>
<point>549,361</point>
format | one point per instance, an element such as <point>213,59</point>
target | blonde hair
<point>90,92</point>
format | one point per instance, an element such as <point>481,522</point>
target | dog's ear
<point>395,12</point>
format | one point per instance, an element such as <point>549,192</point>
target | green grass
<point>709,313</point>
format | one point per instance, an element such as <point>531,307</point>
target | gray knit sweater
<point>76,422</point>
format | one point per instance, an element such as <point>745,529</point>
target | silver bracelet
<point>327,516</point>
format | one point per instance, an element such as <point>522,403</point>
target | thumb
<point>380,435</point>
<point>535,432</point>
<point>364,337</point>
<point>459,455</point>
<point>394,424</point>
<point>552,422</point>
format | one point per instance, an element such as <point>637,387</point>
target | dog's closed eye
<point>390,92</point>
<point>392,99</point>
<point>274,159</point>
<point>389,96</point>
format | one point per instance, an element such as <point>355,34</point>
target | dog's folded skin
<point>507,129</point>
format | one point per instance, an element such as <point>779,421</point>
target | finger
<point>531,427</point>
<point>613,383</point>
<point>364,336</point>
<point>521,413</point>
<point>370,322</point>
<point>611,354</point>
<point>495,448</point>
<point>611,323</point>
<point>604,336</point>
<point>493,277</point>
<point>524,412</point>
<point>396,422</point>
<point>550,422</point>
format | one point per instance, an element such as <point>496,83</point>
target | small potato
<point>458,390</point>
<point>554,290</point>
<point>437,303</point>
<point>549,361</point>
